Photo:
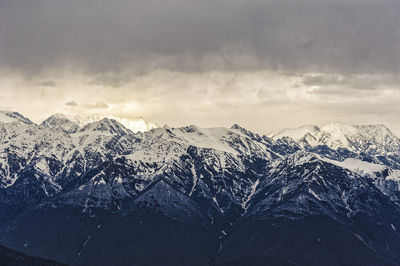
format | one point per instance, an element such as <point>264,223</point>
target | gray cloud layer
<point>335,36</point>
<point>266,64</point>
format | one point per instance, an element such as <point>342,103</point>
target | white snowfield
<point>358,166</point>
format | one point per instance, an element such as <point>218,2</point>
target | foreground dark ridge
<point>9,257</point>
<point>101,195</point>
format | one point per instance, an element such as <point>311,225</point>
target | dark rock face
<point>314,240</point>
<point>9,257</point>
<point>101,195</point>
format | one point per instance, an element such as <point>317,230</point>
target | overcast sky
<point>263,64</point>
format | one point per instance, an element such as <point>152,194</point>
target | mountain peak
<point>59,116</point>
<point>244,131</point>
<point>60,122</point>
<point>106,125</point>
<point>296,133</point>
<point>237,127</point>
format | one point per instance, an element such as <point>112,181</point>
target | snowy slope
<point>9,117</point>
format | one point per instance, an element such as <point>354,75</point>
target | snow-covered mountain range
<point>135,124</point>
<point>70,190</point>
<point>71,123</point>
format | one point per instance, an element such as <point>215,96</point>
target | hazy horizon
<point>98,116</point>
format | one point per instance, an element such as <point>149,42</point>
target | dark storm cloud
<point>97,105</point>
<point>339,36</point>
<point>266,64</point>
<point>349,85</point>
<point>322,80</point>
<point>71,103</point>
<point>48,83</point>
<point>111,79</point>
